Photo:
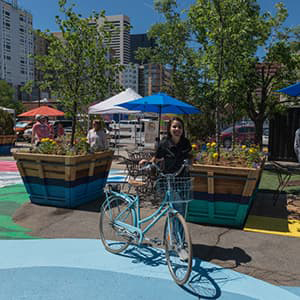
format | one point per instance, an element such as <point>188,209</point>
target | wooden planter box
<point>6,143</point>
<point>222,195</point>
<point>64,181</point>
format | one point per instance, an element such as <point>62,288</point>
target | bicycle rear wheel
<point>178,248</point>
<point>113,236</point>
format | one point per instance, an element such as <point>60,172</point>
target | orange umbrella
<point>42,110</point>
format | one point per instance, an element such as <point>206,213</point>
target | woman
<point>173,149</point>
<point>40,130</point>
<point>96,136</point>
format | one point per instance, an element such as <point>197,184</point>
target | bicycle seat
<point>136,183</point>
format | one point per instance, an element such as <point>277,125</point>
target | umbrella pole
<point>159,118</point>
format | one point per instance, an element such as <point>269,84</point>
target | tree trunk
<point>74,118</point>
<point>259,123</point>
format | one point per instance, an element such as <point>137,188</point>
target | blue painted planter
<point>222,195</point>
<point>64,181</point>
<point>6,143</point>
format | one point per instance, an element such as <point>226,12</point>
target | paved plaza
<point>46,247</point>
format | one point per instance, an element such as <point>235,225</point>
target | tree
<point>278,68</point>
<point>7,97</point>
<point>78,68</point>
<point>227,35</point>
<point>173,51</point>
<point>231,32</point>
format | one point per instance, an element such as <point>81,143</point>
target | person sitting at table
<point>96,136</point>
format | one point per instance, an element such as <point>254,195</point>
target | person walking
<point>96,136</point>
<point>40,130</point>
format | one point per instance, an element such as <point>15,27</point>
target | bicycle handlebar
<point>152,164</point>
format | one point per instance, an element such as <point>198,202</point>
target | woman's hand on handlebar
<point>143,161</point>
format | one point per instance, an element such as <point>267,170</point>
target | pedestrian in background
<point>40,130</point>
<point>50,126</point>
<point>60,132</point>
<point>96,136</point>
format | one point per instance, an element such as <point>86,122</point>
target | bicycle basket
<point>180,188</point>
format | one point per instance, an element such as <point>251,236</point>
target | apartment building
<point>152,78</point>
<point>16,44</point>
<point>129,78</point>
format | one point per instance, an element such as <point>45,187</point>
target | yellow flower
<point>215,155</point>
<point>244,147</point>
<point>251,150</point>
<point>194,146</point>
<point>213,144</point>
<point>208,145</point>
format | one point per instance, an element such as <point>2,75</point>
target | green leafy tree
<point>6,123</point>
<point>77,68</point>
<point>7,97</point>
<point>279,68</point>
<point>172,50</point>
<point>227,35</point>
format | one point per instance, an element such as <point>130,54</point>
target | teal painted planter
<point>64,181</point>
<point>222,195</point>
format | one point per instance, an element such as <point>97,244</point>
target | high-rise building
<point>152,78</point>
<point>120,37</point>
<point>16,44</point>
<point>139,41</point>
<point>129,77</point>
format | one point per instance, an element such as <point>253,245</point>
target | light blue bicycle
<point>120,222</point>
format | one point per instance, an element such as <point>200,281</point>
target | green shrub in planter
<point>6,123</point>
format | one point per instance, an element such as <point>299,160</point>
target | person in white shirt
<point>96,137</point>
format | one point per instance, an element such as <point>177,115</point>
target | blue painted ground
<point>82,269</point>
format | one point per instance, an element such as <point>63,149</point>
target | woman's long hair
<point>170,124</point>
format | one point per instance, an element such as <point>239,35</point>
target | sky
<point>141,12</point>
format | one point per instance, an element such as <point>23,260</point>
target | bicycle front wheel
<point>178,248</point>
<point>113,236</point>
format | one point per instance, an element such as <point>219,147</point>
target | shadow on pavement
<point>208,253</point>
<point>200,284</point>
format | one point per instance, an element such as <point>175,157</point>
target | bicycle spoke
<point>113,236</point>
<point>178,248</point>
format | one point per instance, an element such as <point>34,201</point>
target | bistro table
<point>284,172</point>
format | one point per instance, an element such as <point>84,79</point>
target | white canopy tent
<point>9,110</point>
<point>110,105</point>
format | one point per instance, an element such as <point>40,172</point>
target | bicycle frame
<point>134,205</point>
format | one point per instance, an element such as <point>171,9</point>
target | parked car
<point>20,128</point>
<point>265,137</point>
<point>244,134</point>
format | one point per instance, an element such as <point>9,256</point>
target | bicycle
<point>120,222</point>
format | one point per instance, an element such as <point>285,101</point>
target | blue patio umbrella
<point>160,103</point>
<point>291,90</point>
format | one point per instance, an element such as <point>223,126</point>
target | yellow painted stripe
<point>273,226</point>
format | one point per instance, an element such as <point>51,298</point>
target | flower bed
<point>240,156</point>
